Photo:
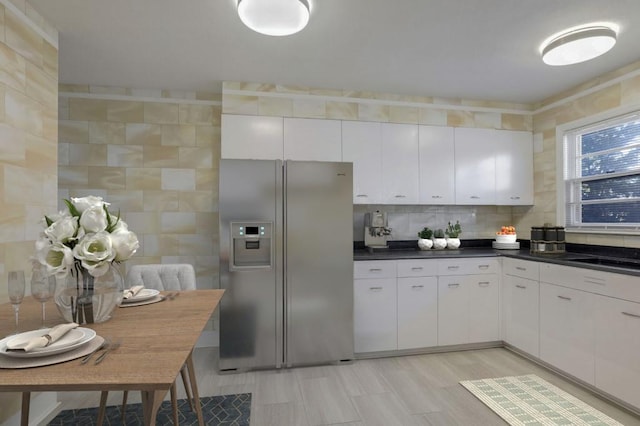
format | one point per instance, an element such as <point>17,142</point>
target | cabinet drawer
<point>481,265</point>
<point>417,268</point>
<point>374,269</point>
<point>521,268</point>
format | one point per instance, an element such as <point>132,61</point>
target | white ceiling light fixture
<point>274,17</point>
<point>578,45</point>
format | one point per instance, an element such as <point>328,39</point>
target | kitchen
<point>117,142</point>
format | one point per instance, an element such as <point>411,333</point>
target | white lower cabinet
<point>617,348</point>
<point>567,330</point>
<point>375,315</point>
<point>417,312</point>
<point>521,300</point>
<point>468,309</point>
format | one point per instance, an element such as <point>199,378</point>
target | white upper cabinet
<point>400,163</point>
<point>308,139</point>
<point>475,166</point>
<point>251,137</point>
<point>514,167</point>
<point>362,145</point>
<point>437,173</point>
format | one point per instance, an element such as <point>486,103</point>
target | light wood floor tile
<point>286,413</point>
<point>327,402</point>
<point>382,409</point>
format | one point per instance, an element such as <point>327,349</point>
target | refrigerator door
<point>318,262</point>
<point>251,309</point>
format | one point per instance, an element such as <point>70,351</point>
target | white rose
<point>94,219</point>
<point>120,225</point>
<point>57,257</point>
<point>95,252</point>
<point>124,243</point>
<point>62,230</point>
<point>82,204</point>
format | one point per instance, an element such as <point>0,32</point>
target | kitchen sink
<point>607,261</point>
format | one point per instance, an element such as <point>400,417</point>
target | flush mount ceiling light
<point>274,17</point>
<point>578,45</point>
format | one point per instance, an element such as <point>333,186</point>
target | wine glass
<point>42,288</point>
<point>16,291</point>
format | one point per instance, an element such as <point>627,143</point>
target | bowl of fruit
<point>506,234</point>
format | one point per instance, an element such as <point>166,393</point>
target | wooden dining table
<point>156,341</point>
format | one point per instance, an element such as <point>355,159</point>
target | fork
<point>105,344</point>
<point>112,347</point>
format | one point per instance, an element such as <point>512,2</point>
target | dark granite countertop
<point>623,261</point>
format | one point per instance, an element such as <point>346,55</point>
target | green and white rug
<point>529,400</point>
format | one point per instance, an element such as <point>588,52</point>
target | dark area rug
<point>227,410</point>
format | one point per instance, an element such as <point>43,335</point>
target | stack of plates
<point>71,340</point>
<point>144,294</point>
<point>506,246</point>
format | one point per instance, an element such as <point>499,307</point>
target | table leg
<point>26,401</point>
<point>194,388</point>
<point>151,401</point>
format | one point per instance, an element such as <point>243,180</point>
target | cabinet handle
<point>564,298</point>
<point>436,196</point>
<point>483,266</point>
<point>595,282</point>
<point>453,285</point>
<point>629,314</point>
<point>474,197</point>
<point>375,288</point>
<point>361,195</point>
<point>417,268</point>
<point>375,269</point>
<point>417,286</point>
<point>515,198</point>
<point>520,268</point>
<point>521,286</point>
<point>452,267</point>
<point>483,283</point>
<point>401,196</point>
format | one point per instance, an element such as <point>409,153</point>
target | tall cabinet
<point>399,163</point>
<point>362,145</point>
<point>437,157</point>
<point>475,166</point>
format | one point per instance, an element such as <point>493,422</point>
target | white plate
<point>144,294</point>
<point>79,336</point>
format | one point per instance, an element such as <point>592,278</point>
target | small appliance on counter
<point>376,230</point>
<point>547,239</point>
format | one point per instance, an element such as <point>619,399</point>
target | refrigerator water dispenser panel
<point>252,245</point>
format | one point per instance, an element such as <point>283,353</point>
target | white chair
<point>164,277</point>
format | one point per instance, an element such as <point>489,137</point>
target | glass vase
<point>85,299</point>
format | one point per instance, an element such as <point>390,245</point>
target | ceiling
<point>472,49</point>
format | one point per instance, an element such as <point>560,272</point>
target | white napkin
<point>132,291</point>
<point>54,334</point>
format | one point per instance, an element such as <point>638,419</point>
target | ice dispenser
<point>252,244</point>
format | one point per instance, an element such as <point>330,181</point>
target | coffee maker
<point>376,230</point>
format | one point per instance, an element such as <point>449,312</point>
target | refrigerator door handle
<point>281,267</point>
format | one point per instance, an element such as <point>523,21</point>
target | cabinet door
<point>522,299</point>
<point>307,139</point>
<point>251,137</point>
<point>567,330</point>
<point>514,167</point>
<point>400,163</point>
<point>453,310</point>
<point>475,166</point>
<point>374,315</point>
<point>417,312</point>
<point>437,172</point>
<point>362,145</point>
<point>484,308</point>
<point>618,348</point>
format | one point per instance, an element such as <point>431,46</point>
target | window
<point>602,175</point>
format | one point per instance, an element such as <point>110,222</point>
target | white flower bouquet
<point>87,233</point>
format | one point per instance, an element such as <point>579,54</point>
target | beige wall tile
<point>124,156</point>
<point>432,117</point>
<point>101,132</point>
<point>403,114</point>
<point>163,201</point>
<point>373,112</point>
<point>487,120</point>
<point>12,145</point>
<point>197,201</point>
<point>160,156</point>
<point>234,104</point>
<point>143,134</point>
<point>178,223</point>
<point>2,26</point>
<point>22,112</point>
<point>161,113</point>
<point>71,131</point>
<point>196,158</point>
<point>309,108</point>
<point>87,109</point>
<point>123,201</point>
<point>517,122</point>
<point>143,223</point>
<point>141,178</point>
<point>157,245</point>
<point>178,179</point>
<point>460,119</point>
<point>207,179</point>
<point>50,59</point>
<point>125,111</point>
<point>195,243</point>
<point>630,91</point>
<point>41,156</point>
<point>87,155</point>
<point>73,176</point>
<point>41,86</point>
<point>14,68</point>
<point>73,88</point>
<point>207,136</point>
<point>107,177</point>
<point>179,135</point>
<point>23,39</point>
<point>196,114</point>
<point>278,107</point>
<point>342,110</point>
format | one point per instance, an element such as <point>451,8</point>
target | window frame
<point>566,168</point>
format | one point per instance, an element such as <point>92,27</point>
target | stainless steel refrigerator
<point>286,263</point>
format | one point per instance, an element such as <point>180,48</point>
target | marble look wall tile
<point>125,111</point>
<point>237,104</point>
<point>87,109</point>
<point>124,200</point>
<point>487,120</point>
<point>22,186</point>
<point>195,158</point>
<point>161,113</point>
<point>207,222</point>
<point>73,88</point>
<point>41,86</point>
<point>164,201</point>
<point>178,135</point>
<point>309,108</point>
<point>196,201</point>
<point>12,145</point>
<point>22,112</point>
<point>207,136</point>
<point>144,223</point>
<point>12,225</point>
<point>63,108</point>
<point>630,91</point>
<point>178,223</point>
<point>195,243</point>
<point>156,245</point>
<point>403,114</point>
<point>517,122</point>
<point>196,114</point>
<point>373,112</point>
<point>71,131</point>
<point>433,117</point>
<point>23,39</point>
<point>41,156</point>
<point>160,156</point>
<point>178,179</point>
<point>13,71</point>
<point>108,177</point>
<point>342,110</point>
<point>87,155</point>
<point>124,156</point>
<point>73,176</point>
<point>63,154</point>
<point>207,179</point>
<point>278,107</point>
<point>50,60</point>
<point>106,133</point>
<point>2,39</point>
<point>141,178</point>
<point>49,118</point>
<point>460,119</point>
<point>143,134</point>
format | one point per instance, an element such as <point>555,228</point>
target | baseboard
<point>43,408</point>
